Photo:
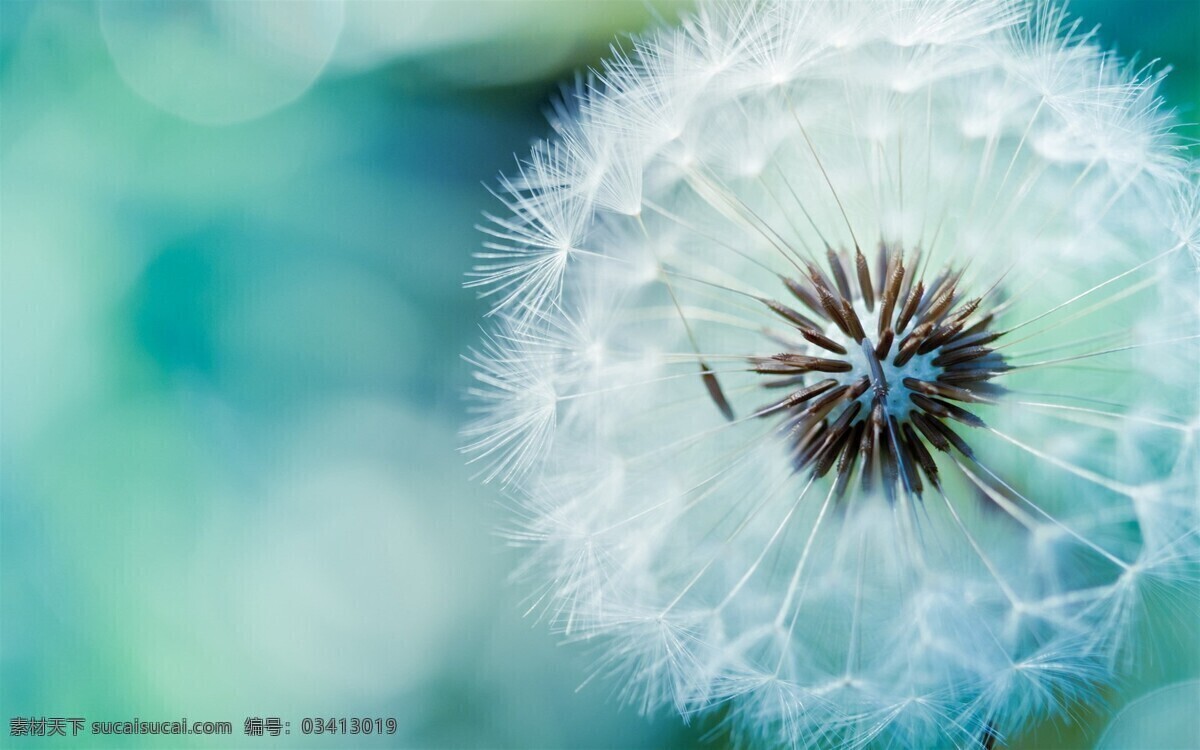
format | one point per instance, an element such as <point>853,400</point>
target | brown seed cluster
<point>900,357</point>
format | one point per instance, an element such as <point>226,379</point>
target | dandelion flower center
<point>899,358</point>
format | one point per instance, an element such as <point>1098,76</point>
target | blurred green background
<point>232,244</point>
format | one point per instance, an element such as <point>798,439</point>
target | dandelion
<point>845,369</point>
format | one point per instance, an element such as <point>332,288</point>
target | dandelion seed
<point>845,369</point>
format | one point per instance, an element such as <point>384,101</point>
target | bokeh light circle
<point>1165,719</point>
<point>219,63</point>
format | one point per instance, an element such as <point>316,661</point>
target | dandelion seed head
<point>843,369</point>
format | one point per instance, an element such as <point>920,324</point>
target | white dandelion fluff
<point>845,369</point>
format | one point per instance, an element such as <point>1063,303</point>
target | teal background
<point>231,321</point>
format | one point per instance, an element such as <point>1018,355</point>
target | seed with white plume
<point>845,368</point>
